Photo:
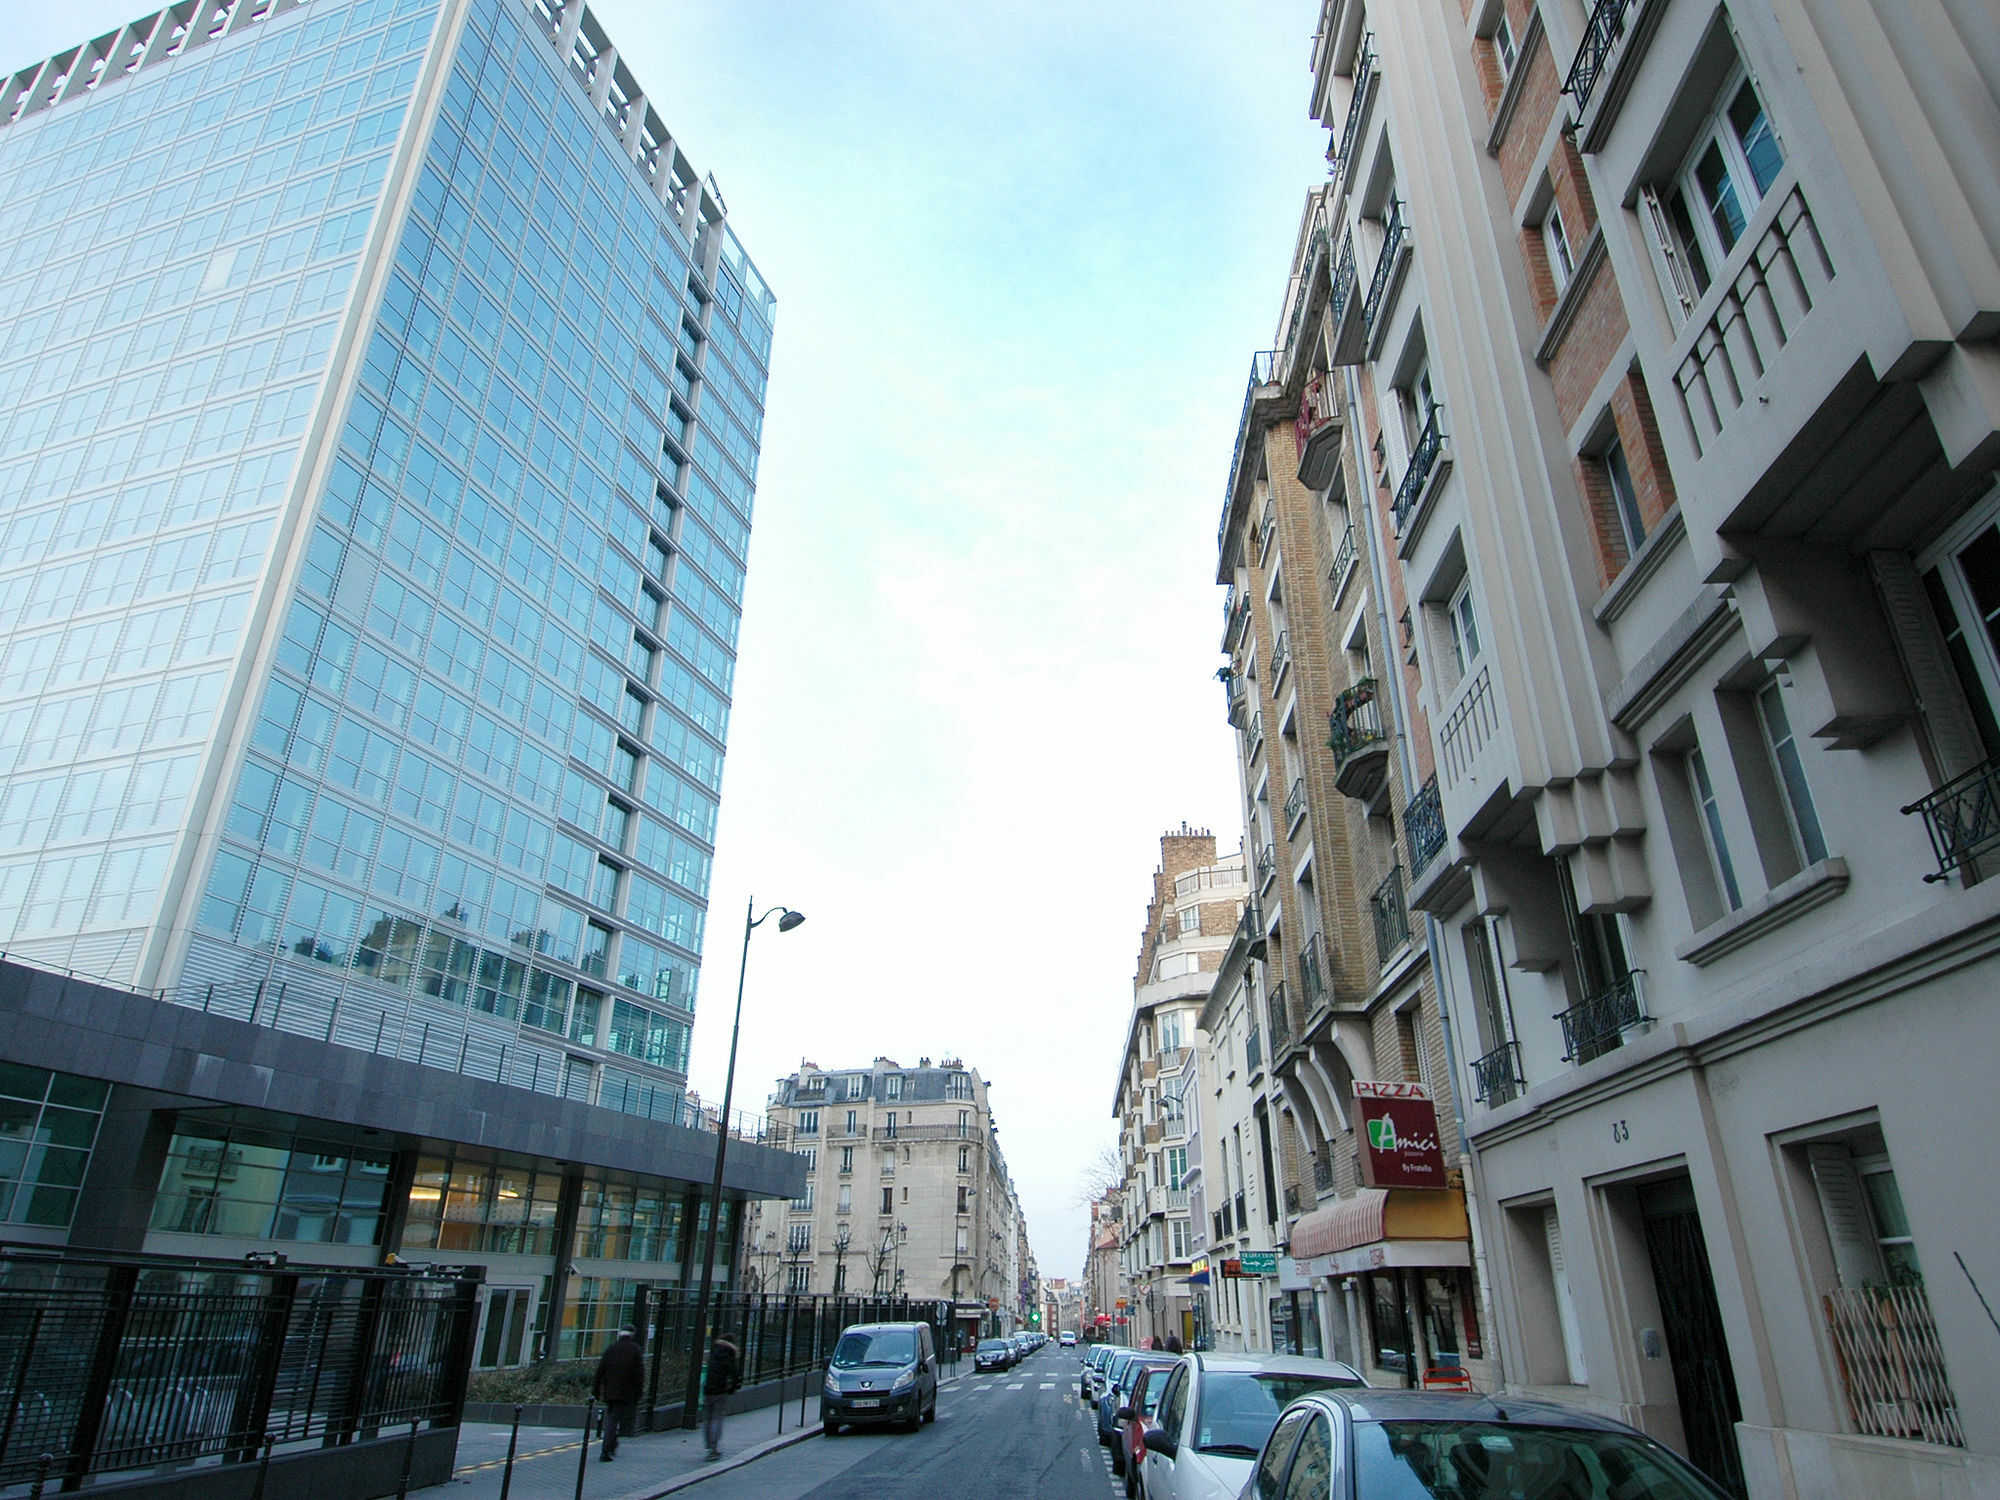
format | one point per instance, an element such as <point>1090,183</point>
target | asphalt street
<point>1020,1433</point>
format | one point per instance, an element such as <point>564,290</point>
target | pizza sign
<point>1399,1125</point>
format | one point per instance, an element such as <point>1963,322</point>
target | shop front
<point>1393,1268</point>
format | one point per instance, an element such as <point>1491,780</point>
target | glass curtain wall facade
<point>390,433</point>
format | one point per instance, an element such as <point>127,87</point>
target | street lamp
<point>691,1412</point>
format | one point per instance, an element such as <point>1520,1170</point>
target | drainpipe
<point>1433,928</point>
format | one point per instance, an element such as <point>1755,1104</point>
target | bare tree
<point>1104,1172</point>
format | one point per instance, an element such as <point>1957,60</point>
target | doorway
<point>1704,1383</point>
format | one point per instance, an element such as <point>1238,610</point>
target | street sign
<point>1259,1262</point>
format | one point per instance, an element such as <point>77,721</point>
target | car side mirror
<point>1125,1414</point>
<point>1158,1442</point>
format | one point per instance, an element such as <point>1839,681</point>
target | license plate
<point>866,1401</point>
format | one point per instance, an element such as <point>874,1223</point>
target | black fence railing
<point>1423,826</point>
<point>1312,975</point>
<point>1355,722</point>
<point>1392,916</point>
<point>1393,230</point>
<point>115,1364</point>
<point>1357,104</point>
<point>1600,35</point>
<point>1295,803</point>
<point>1267,865</point>
<point>1599,1023</point>
<point>1322,1175</point>
<point>1253,1050</point>
<point>779,1336</point>
<point>1496,1077</point>
<point>1281,1021</point>
<point>1962,818</point>
<point>1423,459</point>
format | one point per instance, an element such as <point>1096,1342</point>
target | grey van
<point>880,1372</point>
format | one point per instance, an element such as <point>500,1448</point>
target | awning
<point>1383,1227</point>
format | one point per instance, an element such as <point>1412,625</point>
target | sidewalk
<point>648,1464</point>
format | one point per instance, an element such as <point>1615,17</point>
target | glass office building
<point>380,394</point>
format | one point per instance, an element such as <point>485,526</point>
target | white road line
<point>1048,1385</point>
<point>1018,1385</point>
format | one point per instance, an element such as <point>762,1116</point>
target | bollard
<point>41,1475</point>
<point>583,1453</point>
<point>805,1387</point>
<point>409,1460</point>
<point>513,1438</point>
<point>264,1466</point>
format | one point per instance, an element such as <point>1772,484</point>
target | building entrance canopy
<point>1381,1228</point>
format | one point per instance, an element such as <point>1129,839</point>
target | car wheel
<point>829,1429</point>
<point>930,1412</point>
<point>1118,1458</point>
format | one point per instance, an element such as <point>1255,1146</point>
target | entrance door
<point>1703,1380</point>
<point>500,1343</point>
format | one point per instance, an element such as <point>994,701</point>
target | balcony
<point>1253,1050</point>
<point>1267,865</point>
<point>1312,980</point>
<point>1360,749</point>
<point>1256,736</point>
<point>1262,367</point>
<point>1281,658</point>
<point>1242,1214</point>
<point>1496,1077</point>
<point>1963,820</point>
<point>1418,472</point>
<point>1392,916</point>
<point>1281,1021</point>
<point>1394,233</point>
<point>1322,1175</point>
<point>1291,1200</point>
<point>1344,557</point>
<point>1318,428</point>
<point>1237,688</point>
<point>1607,24</point>
<point>1302,300</point>
<point>1423,827</point>
<point>1295,805</point>
<point>1357,106</point>
<point>1599,1024</point>
<point>1349,345</point>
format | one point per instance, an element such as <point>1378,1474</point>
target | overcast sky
<point>1022,254</point>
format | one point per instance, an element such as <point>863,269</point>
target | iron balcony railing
<point>1423,826</point>
<point>1599,1023</point>
<point>1343,278</point>
<point>1343,556</point>
<point>1430,442</point>
<point>1318,405</point>
<point>1385,265</point>
<point>1295,803</point>
<point>1392,915</point>
<point>1607,24</point>
<point>1253,1050</point>
<point>1356,721</point>
<point>1242,1214</point>
<point>1281,656</point>
<point>1312,980</point>
<point>1261,366</point>
<point>1256,735</point>
<point>1496,1077</point>
<point>1962,818</point>
<point>1291,1200</point>
<point>1364,74</point>
<point>1267,865</point>
<point>1281,1021</point>
<point>1315,248</point>
<point>1322,1175</point>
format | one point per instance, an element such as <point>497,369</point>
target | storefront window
<point>500,1205</point>
<point>250,1185</point>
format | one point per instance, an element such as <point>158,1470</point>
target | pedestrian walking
<point>724,1376</point>
<point>1174,1344</point>
<point>621,1380</point>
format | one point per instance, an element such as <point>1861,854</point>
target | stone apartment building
<point>1661,336</point>
<point>906,1191</point>
<point>1196,902</point>
<point>1103,1284</point>
<point>1328,981</point>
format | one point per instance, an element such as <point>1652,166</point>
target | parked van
<point>880,1372</point>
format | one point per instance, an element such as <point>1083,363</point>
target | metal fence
<point>118,1363</point>
<point>778,1336</point>
<point>1892,1364</point>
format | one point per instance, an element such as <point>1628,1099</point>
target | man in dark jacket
<point>621,1380</point>
<point>724,1376</point>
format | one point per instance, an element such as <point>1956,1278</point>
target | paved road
<point>1021,1435</point>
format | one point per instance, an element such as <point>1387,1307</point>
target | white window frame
<point>892,1086</point>
<point>1505,50</point>
<point>1687,280</point>
<point>1708,816</point>
<point>1556,241</point>
<point>1461,614</point>
<point>1788,766</point>
<point>1617,471</point>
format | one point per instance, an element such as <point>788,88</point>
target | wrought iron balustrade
<point>1267,865</point>
<point>1291,1199</point>
<point>1600,35</point>
<point>1356,720</point>
<point>1343,277</point>
<point>1598,1024</point>
<point>1962,818</point>
<point>1393,230</point>
<point>1256,735</point>
<point>1242,1213</point>
<point>1281,1021</point>
<point>1295,803</point>
<point>1281,655</point>
<point>1253,1050</point>
<point>1496,1077</point>
<point>1423,459</point>
<point>1322,1175</point>
<point>1262,365</point>
<point>1343,556</point>
<point>1392,915</point>
<point>1357,105</point>
<point>1423,826</point>
<point>1312,982</point>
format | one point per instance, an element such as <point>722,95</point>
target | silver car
<point>1216,1413</point>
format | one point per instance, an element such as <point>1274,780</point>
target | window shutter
<point>1855,1252</point>
<point>1565,1308</point>
<point>1679,282</point>
<point>1941,701</point>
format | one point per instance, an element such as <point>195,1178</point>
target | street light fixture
<point>691,1410</point>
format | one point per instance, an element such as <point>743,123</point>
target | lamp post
<point>691,1412</point>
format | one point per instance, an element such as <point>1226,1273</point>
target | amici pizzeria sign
<point>1399,1130</point>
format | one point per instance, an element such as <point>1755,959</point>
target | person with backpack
<point>722,1380</point>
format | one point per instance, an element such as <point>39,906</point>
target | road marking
<point>1018,1385</point>
<point>1048,1385</point>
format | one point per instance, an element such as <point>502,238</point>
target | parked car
<point>1417,1444</point>
<point>1094,1356</point>
<point>1128,1453</point>
<point>1108,1370</point>
<point>1066,1339</point>
<point>1117,1395</point>
<point>1217,1411</point>
<point>993,1354</point>
<point>880,1372</point>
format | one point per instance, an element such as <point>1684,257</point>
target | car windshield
<point>1491,1460</point>
<point>885,1346</point>
<point>992,1346</point>
<point>1240,1407</point>
<point>1155,1388</point>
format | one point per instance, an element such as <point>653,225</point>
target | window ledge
<point>1813,886</point>
<point>1641,566</point>
<point>1557,328</point>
